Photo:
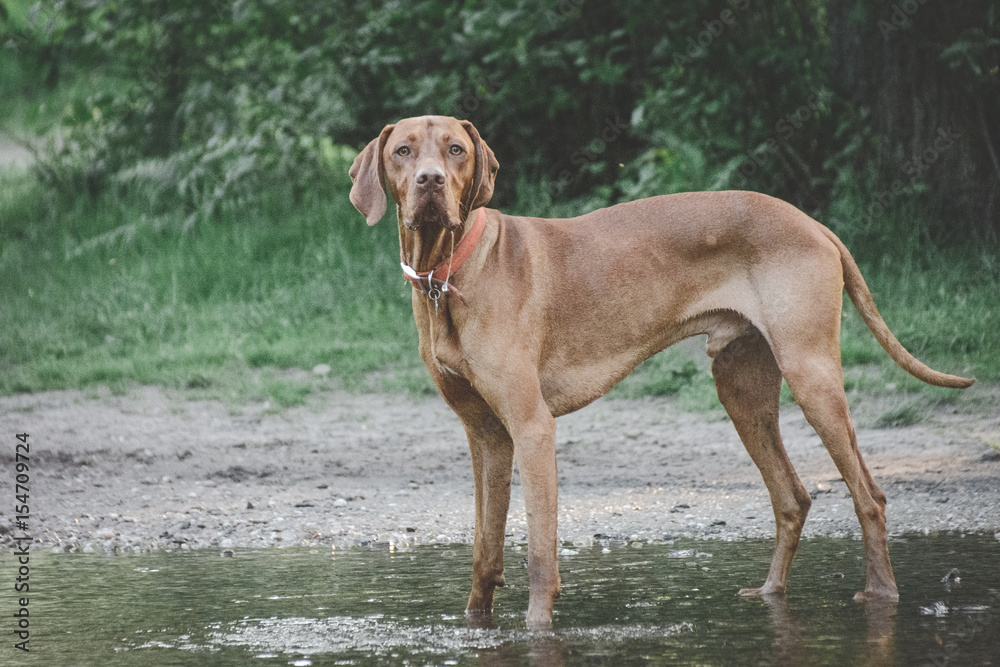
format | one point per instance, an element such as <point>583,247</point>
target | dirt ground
<point>153,470</point>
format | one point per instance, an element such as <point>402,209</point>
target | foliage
<point>153,117</point>
<point>204,104</point>
<point>215,308</point>
<point>207,104</point>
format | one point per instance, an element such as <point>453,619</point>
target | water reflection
<point>662,604</point>
<point>881,643</point>
<point>789,647</point>
<point>543,649</point>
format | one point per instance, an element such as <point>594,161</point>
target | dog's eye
<point>403,150</point>
<point>456,149</point>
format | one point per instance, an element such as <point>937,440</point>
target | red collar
<point>435,282</point>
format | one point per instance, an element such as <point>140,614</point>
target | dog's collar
<point>434,283</point>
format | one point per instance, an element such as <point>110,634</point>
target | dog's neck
<point>426,247</point>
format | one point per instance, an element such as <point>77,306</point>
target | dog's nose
<point>430,177</point>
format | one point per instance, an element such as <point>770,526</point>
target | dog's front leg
<point>492,452</point>
<point>535,452</point>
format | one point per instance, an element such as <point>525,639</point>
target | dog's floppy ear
<point>485,173</point>
<point>368,175</point>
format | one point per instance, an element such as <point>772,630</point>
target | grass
<point>274,287</point>
<point>942,307</point>
<point>907,415</point>
<point>102,293</point>
<point>110,293</point>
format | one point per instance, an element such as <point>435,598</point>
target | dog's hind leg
<point>748,382</point>
<point>818,386</point>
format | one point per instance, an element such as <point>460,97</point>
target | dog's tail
<point>856,288</point>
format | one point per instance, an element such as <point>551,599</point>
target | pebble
<point>938,609</point>
<point>437,507</point>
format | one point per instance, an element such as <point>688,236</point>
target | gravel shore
<point>152,470</point>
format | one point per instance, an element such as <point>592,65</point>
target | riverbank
<point>152,470</point>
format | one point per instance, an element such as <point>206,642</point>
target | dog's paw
<point>886,595</point>
<point>480,620</point>
<point>539,617</point>
<point>764,591</point>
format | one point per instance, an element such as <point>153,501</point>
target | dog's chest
<point>447,354</point>
<point>440,343</point>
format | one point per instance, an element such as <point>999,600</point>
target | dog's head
<point>438,169</point>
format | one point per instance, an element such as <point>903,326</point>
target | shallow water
<point>671,603</point>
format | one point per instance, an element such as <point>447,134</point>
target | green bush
<point>203,105</point>
<point>152,118</point>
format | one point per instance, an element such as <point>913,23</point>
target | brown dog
<point>527,319</point>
